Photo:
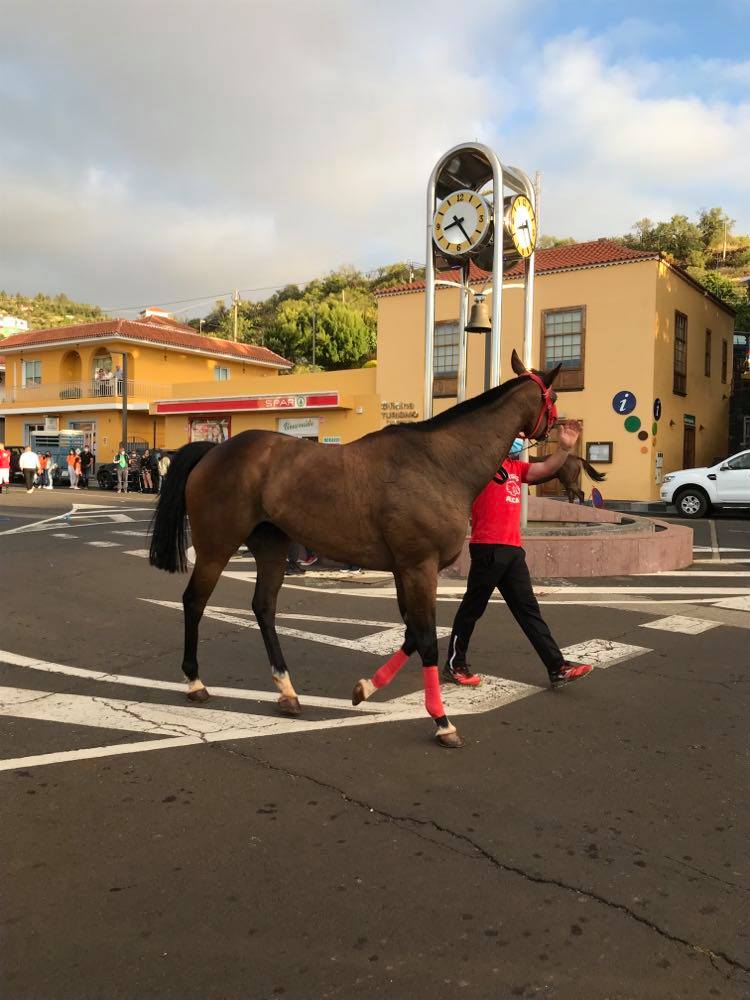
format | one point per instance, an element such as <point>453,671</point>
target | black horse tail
<point>169,526</point>
<point>598,477</point>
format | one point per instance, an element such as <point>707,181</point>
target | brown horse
<point>569,475</point>
<point>397,499</point>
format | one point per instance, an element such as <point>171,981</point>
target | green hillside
<point>44,311</point>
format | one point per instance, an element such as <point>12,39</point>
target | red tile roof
<point>154,330</point>
<point>596,253</point>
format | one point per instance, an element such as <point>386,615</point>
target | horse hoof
<point>201,694</point>
<point>360,692</point>
<point>451,741</point>
<point>289,706</point>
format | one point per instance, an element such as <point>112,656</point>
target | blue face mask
<point>516,448</point>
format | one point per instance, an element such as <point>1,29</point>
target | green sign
<point>632,424</point>
<point>689,420</point>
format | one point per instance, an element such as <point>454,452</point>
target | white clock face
<point>461,222</point>
<point>521,225</point>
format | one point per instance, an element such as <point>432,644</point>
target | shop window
<point>31,373</point>
<point>564,343</point>
<point>707,358</point>
<point>679,380</point>
<point>221,374</point>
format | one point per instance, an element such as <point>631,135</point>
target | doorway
<point>88,429</point>
<point>688,446</point>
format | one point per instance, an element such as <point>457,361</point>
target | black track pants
<point>502,567</point>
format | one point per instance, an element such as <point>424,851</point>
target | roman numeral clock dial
<point>462,223</point>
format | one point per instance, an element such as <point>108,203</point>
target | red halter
<point>548,412</point>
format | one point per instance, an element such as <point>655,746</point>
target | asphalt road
<point>589,843</point>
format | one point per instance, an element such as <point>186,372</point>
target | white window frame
<point>446,345</point>
<point>222,373</point>
<point>35,379</point>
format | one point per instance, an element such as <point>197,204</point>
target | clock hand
<point>456,222</point>
<point>466,235</point>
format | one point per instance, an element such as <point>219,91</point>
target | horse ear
<point>516,364</point>
<point>549,377</point>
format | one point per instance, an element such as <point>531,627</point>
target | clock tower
<point>483,212</point>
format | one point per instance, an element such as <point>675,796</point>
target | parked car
<point>695,491</point>
<point>106,476</point>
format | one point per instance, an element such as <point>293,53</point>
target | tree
<point>547,242</point>
<point>734,294</point>
<point>711,222</point>
<point>680,238</point>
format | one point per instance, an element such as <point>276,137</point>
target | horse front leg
<point>367,686</point>
<point>270,546</point>
<point>420,592</point>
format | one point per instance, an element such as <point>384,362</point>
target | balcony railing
<point>90,390</point>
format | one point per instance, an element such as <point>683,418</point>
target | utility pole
<point>315,321</point>
<point>235,302</point>
<point>124,399</point>
<point>724,252</point>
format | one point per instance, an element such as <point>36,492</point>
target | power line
<point>204,299</point>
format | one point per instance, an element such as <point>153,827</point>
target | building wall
<point>629,343</point>
<point>707,398</point>
<point>146,364</point>
<point>356,388</point>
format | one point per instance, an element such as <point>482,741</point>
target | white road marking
<point>138,534</point>
<point>700,573</point>
<point>62,534</point>
<point>143,553</point>
<point>602,652</point>
<point>723,548</point>
<point>314,701</point>
<point>456,593</point>
<point>104,545</point>
<point>682,624</point>
<point>380,643</point>
<point>735,603</point>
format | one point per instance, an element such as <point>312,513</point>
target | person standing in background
<point>77,468</point>
<point>121,465</point>
<point>71,463</point>
<point>29,466</point>
<point>164,463</point>
<point>87,461</point>
<point>4,467</point>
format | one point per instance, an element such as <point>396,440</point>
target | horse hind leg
<point>201,585</point>
<point>270,546</point>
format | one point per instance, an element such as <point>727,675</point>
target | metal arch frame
<point>502,177</point>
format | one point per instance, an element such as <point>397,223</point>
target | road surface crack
<point>406,822</point>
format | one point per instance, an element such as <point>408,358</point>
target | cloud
<point>162,151</point>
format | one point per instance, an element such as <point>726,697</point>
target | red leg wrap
<point>385,674</point>
<point>432,699</point>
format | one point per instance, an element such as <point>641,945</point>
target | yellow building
<point>73,377</point>
<point>624,323</point>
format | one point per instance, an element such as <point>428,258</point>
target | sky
<point>166,151</point>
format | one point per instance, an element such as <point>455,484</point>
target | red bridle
<point>548,412</point>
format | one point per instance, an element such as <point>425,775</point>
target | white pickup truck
<point>695,491</point>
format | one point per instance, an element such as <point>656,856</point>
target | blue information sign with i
<point>624,402</point>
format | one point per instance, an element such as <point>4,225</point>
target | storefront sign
<point>331,439</point>
<point>657,409</point>
<point>305,428</point>
<point>398,413</point>
<point>209,430</point>
<point>689,420</point>
<point>51,425</point>
<point>302,401</point>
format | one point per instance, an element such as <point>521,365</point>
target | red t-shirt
<point>4,458</point>
<point>496,514</point>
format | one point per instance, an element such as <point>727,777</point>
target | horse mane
<point>468,406</point>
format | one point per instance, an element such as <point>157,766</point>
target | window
<point>707,358</point>
<point>746,430</point>
<point>31,373</point>
<point>724,360</point>
<point>679,383</point>
<point>563,342</point>
<point>739,461</point>
<point>599,451</point>
<point>221,374</point>
<point>445,355</point>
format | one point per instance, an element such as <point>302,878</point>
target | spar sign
<point>301,401</point>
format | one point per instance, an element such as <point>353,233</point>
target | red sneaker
<point>569,672</point>
<point>461,675</point>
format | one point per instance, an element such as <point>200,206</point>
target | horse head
<point>547,416</point>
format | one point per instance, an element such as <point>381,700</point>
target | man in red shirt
<point>498,561</point>
<point>4,467</point>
